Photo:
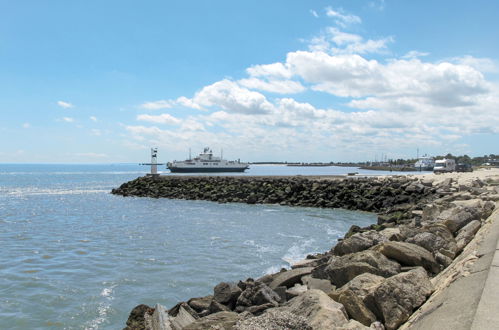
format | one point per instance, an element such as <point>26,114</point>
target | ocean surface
<point>73,256</point>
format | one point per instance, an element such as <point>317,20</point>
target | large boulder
<point>356,308</point>
<point>226,293</point>
<point>409,254</point>
<point>257,294</point>
<point>361,286</point>
<point>358,242</point>
<point>320,311</point>
<point>290,277</point>
<point>456,218</point>
<point>343,269</point>
<point>136,319</point>
<point>466,234</point>
<point>395,298</point>
<point>200,304</point>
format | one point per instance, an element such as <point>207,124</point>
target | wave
<point>32,191</point>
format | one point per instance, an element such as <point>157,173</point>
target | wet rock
<point>341,270</point>
<point>358,242</point>
<point>290,277</point>
<point>409,254</point>
<point>136,319</point>
<point>395,298</point>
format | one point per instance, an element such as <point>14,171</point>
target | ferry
<point>425,163</point>
<point>206,162</point>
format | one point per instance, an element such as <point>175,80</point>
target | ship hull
<point>206,170</point>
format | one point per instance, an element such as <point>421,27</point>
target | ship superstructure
<point>206,162</point>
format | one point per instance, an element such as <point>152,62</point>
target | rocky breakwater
<point>395,199</point>
<point>372,279</point>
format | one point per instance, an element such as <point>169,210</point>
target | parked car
<point>461,167</point>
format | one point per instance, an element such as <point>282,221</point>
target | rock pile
<point>372,279</point>
<point>396,199</point>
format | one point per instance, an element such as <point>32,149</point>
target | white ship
<point>206,162</point>
<point>425,163</point>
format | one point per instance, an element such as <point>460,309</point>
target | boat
<point>425,163</point>
<point>206,162</point>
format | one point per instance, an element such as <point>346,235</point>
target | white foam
<point>298,251</point>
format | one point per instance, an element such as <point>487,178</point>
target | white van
<point>444,165</point>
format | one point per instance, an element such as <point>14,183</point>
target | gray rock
<point>361,286</point>
<point>290,277</point>
<point>356,308</point>
<point>220,321</point>
<point>456,218</point>
<point>395,298</point>
<point>442,259</point>
<point>358,242</point>
<point>226,293</point>
<point>182,320</point>
<point>317,284</point>
<point>258,294</point>
<point>216,307</point>
<point>466,234</point>
<point>409,254</point>
<point>295,291</point>
<point>341,270</point>
<point>320,311</point>
<point>274,319</point>
<point>159,320</point>
<point>281,292</point>
<point>200,304</point>
<point>429,241</point>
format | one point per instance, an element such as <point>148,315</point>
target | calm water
<point>74,256</point>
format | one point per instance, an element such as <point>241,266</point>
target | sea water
<point>73,256</point>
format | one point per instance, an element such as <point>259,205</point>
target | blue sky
<point>102,81</point>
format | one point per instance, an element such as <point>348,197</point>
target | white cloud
<point>26,125</point>
<point>342,19</point>
<point>96,132</point>
<point>228,95</point>
<point>414,54</point>
<point>332,40</point>
<point>92,118</point>
<point>274,70</point>
<point>68,119</point>
<point>314,13</point>
<point>159,119</point>
<point>485,65</point>
<point>156,105</point>
<point>273,86</point>
<point>65,105</point>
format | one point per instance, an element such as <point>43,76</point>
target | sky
<point>283,80</point>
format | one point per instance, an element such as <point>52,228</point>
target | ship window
<point>205,163</point>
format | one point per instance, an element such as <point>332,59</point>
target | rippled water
<point>74,256</point>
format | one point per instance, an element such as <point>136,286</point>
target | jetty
<point>430,261</point>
